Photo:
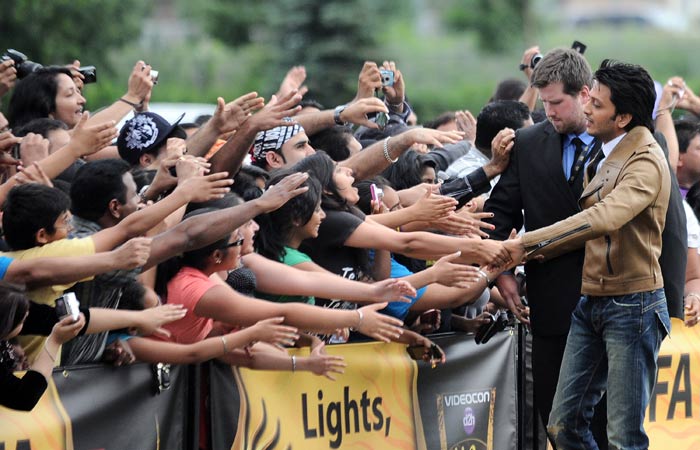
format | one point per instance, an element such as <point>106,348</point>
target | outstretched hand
<point>88,139</point>
<point>393,290</point>
<point>278,194</point>
<point>379,326</point>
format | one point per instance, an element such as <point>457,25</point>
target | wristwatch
<point>336,115</point>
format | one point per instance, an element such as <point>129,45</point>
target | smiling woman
<point>48,92</point>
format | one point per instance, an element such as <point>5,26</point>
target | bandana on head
<point>273,140</point>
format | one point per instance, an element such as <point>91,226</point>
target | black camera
<point>22,64</point>
<point>497,322</point>
<point>89,74</point>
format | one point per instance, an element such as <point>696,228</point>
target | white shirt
<point>608,147</point>
<point>692,226</point>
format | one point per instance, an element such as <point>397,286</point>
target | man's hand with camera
<point>369,81</point>
<point>140,83</point>
<point>394,94</point>
<point>356,112</point>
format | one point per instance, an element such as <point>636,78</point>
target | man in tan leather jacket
<point>619,323</point>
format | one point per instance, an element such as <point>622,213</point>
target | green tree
<point>331,38</point>
<point>498,23</point>
<point>59,31</point>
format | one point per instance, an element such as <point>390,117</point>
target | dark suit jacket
<point>534,184</point>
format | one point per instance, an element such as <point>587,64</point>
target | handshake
<point>502,255</point>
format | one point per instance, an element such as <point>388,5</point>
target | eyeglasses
<point>236,243</point>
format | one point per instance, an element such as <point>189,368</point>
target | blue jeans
<point>612,345</point>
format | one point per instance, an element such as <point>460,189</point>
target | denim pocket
<point>664,321</point>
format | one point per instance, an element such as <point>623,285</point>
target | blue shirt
<point>5,262</point>
<point>567,157</point>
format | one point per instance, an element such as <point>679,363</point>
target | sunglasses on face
<point>236,243</point>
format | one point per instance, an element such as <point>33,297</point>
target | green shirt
<point>291,257</point>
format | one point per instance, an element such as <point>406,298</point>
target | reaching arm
<point>227,118</point>
<point>139,89</point>
<point>63,270</point>
<point>424,245</point>
<point>231,155</point>
<point>373,159</point>
<point>279,279</point>
<point>198,231</point>
<point>226,305</point>
<point>196,189</point>
<point>269,330</point>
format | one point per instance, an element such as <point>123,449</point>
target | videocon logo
<point>469,421</point>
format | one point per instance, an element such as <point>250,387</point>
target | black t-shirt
<point>328,250</point>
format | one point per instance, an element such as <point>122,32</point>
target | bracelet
<point>483,274</point>
<point>386,151</point>
<point>692,294</point>
<point>395,105</point>
<point>294,363</point>
<point>142,193</point>
<point>53,358</point>
<point>660,113</point>
<point>132,104</point>
<point>359,322</point>
<point>223,341</point>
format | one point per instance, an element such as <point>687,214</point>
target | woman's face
<point>15,331</point>
<point>391,199</point>
<point>69,102</point>
<point>342,176</point>
<point>248,231</point>
<point>310,229</point>
<point>233,254</point>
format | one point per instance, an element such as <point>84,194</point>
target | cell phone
<point>377,193</point>
<point>382,119</point>
<point>68,305</point>
<point>387,77</point>
<point>579,47</point>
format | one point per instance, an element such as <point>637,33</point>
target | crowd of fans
<point>273,223</point>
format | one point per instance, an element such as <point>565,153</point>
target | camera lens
<point>535,59</point>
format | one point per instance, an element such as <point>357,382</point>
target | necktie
<point>593,165</point>
<point>580,155</point>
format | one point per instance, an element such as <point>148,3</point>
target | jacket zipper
<point>558,238</point>
<point>608,241</point>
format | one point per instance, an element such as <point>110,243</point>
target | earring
<point>218,261</point>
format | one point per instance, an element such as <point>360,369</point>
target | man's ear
<point>584,93</point>
<point>146,160</point>
<point>622,120</point>
<point>42,236</point>
<point>114,208</point>
<point>274,159</point>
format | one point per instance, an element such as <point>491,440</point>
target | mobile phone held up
<point>377,193</point>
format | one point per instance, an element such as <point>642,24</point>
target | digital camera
<point>22,64</point>
<point>68,305</point>
<point>387,77</point>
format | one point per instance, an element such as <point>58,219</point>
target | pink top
<point>187,288</point>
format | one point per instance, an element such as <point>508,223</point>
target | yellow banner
<point>47,426</point>
<point>673,418</point>
<point>373,402</point>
